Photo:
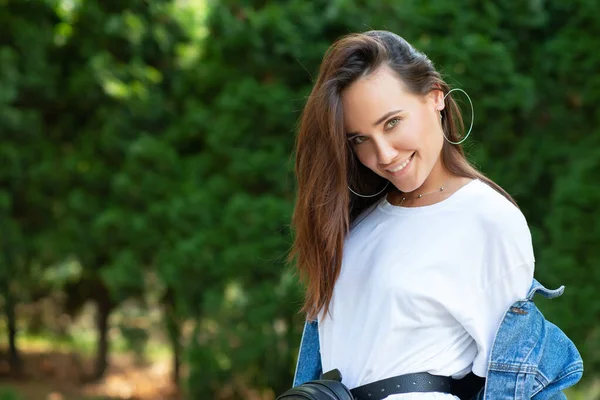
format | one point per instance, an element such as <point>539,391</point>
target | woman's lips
<point>401,167</point>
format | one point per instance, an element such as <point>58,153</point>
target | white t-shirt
<point>424,289</point>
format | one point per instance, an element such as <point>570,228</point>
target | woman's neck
<point>439,185</point>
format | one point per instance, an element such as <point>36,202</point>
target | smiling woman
<point>402,146</point>
<point>378,104</point>
<point>413,259</point>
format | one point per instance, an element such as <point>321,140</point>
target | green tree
<point>26,84</point>
<point>257,70</point>
<point>146,142</point>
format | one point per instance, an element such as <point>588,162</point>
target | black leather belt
<point>466,387</point>
<point>330,387</point>
<point>409,383</point>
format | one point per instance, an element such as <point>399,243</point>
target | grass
<point>84,343</point>
<point>41,391</point>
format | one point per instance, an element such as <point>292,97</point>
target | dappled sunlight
<point>60,376</point>
<point>131,382</point>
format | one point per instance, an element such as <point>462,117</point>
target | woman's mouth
<point>402,165</point>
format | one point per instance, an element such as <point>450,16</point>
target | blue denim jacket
<point>531,358</point>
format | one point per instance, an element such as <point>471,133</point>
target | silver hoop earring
<point>372,195</point>
<point>472,117</point>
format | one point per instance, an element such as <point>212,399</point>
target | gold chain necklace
<point>441,189</point>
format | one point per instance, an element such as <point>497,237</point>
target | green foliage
<point>9,394</point>
<point>152,140</point>
<point>499,52</point>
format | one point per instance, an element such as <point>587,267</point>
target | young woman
<point>411,256</point>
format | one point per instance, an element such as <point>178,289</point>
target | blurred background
<point>146,181</point>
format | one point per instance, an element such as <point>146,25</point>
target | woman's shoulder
<point>491,208</point>
<point>500,232</point>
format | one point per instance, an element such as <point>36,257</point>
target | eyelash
<point>353,138</point>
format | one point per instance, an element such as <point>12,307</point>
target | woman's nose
<point>386,153</point>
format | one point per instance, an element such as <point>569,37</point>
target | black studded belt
<point>409,383</point>
<point>330,387</point>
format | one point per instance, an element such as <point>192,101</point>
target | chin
<point>408,187</point>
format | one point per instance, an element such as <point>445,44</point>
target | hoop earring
<point>472,117</point>
<point>372,195</point>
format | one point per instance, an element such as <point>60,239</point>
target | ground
<point>57,376</point>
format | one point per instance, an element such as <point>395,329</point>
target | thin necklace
<point>441,189</point>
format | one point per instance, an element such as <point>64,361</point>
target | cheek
<point>408,138</point>
<point>430,139</point>
<point>436,139</point>
<point>365,155</point>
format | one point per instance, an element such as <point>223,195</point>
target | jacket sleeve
<point>308,367</point>
<point>531,356</point>
<point>560,365</point>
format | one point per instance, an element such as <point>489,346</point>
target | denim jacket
<point>531,358</point>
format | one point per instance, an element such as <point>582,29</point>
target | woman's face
<point>394,133</point>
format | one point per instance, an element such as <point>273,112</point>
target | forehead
<point>368,98</point>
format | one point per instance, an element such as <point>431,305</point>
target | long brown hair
<point>326,165</point>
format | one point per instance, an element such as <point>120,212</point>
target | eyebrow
<point>379,121</point>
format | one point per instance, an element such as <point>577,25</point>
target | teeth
<point>401,166</point>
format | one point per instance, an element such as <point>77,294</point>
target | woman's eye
<point>357,139</point>
<point>392,123</point>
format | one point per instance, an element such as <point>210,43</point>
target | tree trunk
<point>104,309</point>
<point>174,333</point>
<point>14,360</point>
<point>175,339</point>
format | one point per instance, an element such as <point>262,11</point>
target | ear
<point>437,97</point>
